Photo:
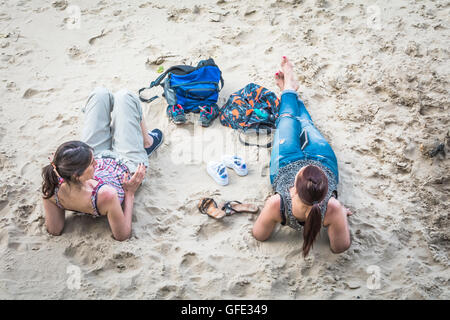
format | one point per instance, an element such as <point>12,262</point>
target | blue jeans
<point>286,145</point>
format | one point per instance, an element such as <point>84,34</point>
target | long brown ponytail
<point>69,162</point>
<point>312,187</point>
<point>50,181</point>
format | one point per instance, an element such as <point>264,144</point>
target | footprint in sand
<point>154,210</point>
<point>74,52</point>
<point>82,253</point>
<point>239,288</point>
<point>67,122</point>
<point>161,231</point>
<point>60,4</point>
<point>30,93</point>
<point>170,292</point>
<point>22,216</point>
<point>210,228</point>
<point>190,262</point>
<point>3,202</point>
<point>162,248</point>
<point>11,237</point>
<point>26,169</point>
<point>173,217</point>
<point>11,86</point>
<point>121,262</point>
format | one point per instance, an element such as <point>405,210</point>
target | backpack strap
<point>143,99</point>
<point>179,70</point>
<point>221,82</point>
<point>257,127</point>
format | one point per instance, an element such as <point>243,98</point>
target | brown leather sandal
<point>209,206</point>
<point>232,207</point>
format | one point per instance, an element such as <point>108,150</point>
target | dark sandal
<point>232,207</point>
<point>209,206</point>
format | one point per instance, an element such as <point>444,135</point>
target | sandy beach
<point>374,76</point>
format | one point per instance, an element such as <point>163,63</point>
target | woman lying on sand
<point>305,181</point>
<point>91,177</point>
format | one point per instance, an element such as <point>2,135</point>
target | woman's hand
<point>131,186</point>
<point>347,211</point>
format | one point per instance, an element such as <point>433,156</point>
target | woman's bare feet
<point>279,78</point>
<point>290,83</point>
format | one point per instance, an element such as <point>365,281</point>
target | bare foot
<point>289,77</point>
<point>279,78</point>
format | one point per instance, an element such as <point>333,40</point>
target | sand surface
<point>374,76</point>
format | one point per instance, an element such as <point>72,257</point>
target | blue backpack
<point>190,86</point>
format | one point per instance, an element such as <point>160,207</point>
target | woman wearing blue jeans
<point>304,179</point>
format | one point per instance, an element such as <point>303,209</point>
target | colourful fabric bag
<point>253,107</point>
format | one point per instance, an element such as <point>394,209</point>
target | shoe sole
<point>169,115</point>
<point>178,121</point>
<point>157,146</point>
<point>238,172</point>
<point>205,124</point>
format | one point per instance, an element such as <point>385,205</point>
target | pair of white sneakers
<point>218,170</point>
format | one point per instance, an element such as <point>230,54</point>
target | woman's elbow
<point>122,236</point>
<point>55,231</point>
<point>341,247</point>
<point>258,236</point>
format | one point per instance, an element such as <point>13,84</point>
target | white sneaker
<point>218,172</point>
<point>236,163</point>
